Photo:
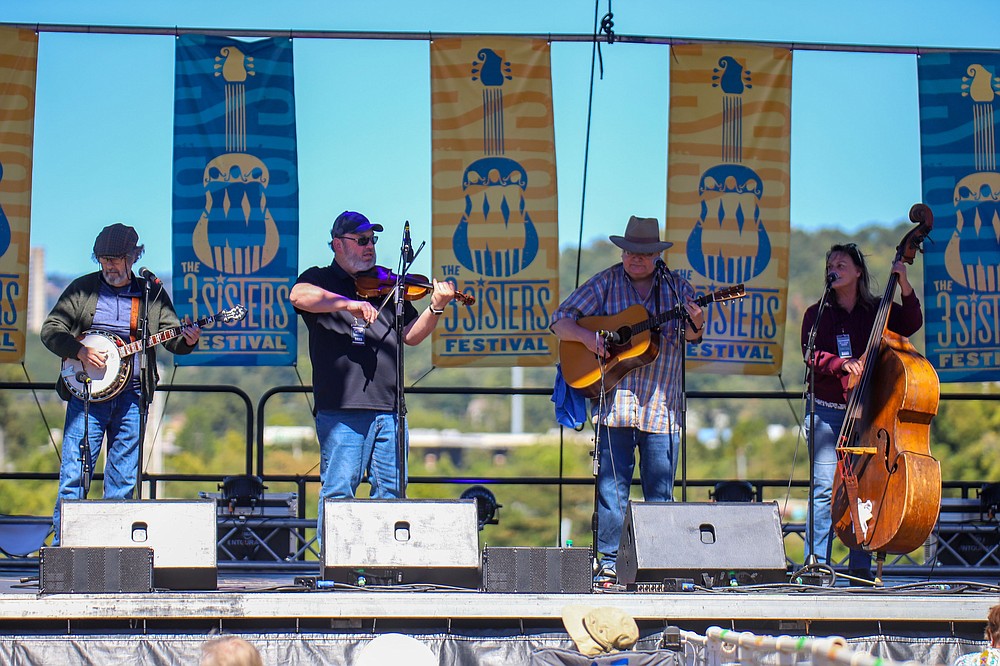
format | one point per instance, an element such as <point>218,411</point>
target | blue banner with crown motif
<point>235,198</point>
<point>959,123</point>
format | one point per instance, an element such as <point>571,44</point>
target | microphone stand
<point>142,331</point>
<point>664,273</point>
<point>406,258</point>
<point>86,464</point>
<point>811,383</point>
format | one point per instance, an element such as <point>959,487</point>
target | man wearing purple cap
<point>109,300</point>
<point>353,349</point>
<point>641,410</point>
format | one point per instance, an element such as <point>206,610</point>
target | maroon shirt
<point>831,380</point>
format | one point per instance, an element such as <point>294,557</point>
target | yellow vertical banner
<point>728,197</point>
<point>18,62</point>
<point>495,230</point>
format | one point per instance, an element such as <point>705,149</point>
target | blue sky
<point>103,132</point>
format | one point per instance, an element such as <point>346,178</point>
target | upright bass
<point>887,487</point>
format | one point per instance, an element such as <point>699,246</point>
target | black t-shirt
<point>348,376</point>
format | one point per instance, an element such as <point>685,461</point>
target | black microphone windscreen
<point>149,275</point>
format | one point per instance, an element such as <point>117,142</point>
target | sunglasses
<point>363,241</point>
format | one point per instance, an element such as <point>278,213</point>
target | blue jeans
<point>824,460</point>
<point>352,443</point>
<point>119,419</point>
<point>616,457</point>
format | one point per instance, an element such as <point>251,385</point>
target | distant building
<point>37,290</point>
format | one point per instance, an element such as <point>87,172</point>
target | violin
<point>379,281</point>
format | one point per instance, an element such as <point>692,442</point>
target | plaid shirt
<point>648,397</point>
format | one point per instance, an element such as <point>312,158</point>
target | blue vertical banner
<point>236,197</point>
<point>959,106</point>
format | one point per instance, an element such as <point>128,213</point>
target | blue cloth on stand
<point>570,404</point>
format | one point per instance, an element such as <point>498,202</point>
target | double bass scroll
<point>887,486</point>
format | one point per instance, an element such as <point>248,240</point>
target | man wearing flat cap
<point>353,350</point>
<point>108,300</point>
<point>642,409</point>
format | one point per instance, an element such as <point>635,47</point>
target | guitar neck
<point>657,320</point>
<point>678,310</point>
<point>158,338</point>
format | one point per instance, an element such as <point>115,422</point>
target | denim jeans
<point>657,462</point>
<point>824,460</point>
<point>353,442</point>
<point>119,419</point>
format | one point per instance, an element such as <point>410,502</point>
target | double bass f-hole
<point>883,438</point>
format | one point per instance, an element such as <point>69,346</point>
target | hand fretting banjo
<point>107,382</point>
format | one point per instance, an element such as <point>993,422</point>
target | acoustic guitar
<point>629,343</point>
<point>107,382</point>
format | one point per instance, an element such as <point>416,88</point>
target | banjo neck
<point>233,314</point>
<point>130,348</point>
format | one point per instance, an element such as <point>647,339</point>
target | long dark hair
<point>865,295</point>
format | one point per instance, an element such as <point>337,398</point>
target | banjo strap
<point>133,324</point>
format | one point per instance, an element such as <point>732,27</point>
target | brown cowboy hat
<point>642,236</point>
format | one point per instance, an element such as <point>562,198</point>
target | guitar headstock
<point>236,313</point>
<point>490,69</point>
<point>727,294</point>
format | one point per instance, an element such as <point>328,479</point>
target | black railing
<point>955,542</point>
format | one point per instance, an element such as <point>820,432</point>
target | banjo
<point>107,382</point>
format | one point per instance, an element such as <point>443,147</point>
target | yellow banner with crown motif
<point>728,197</point>
<point>18,62</point>
<point>495,230</point>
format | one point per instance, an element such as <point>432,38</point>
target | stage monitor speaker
<point>393,542</point>
<point>538,570</point>
<point>63,570</point>
<point>182,534</point>
<point>712,543</point>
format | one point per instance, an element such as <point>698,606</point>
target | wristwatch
<point>435,312</point>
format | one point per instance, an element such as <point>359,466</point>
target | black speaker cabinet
<point>393,542</point>
<point>182,534</point>
<point>64,570</point>
<point>711,543</point>
<point>538,570</point>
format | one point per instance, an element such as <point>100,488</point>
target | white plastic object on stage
<point>182,534</point>
<point>392,542</point>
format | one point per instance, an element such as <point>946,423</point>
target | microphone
<point>407,244</point>
<point>82,377</point>
<point>611,337</point>
<point>831,277</point>
<point>150,276</point>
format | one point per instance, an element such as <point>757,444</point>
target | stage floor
<point>906,620</point>
<point>277,600</point>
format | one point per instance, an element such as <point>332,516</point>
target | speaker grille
<point>95,570</point>
<point>538,570</point>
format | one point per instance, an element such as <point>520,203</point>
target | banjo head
<point>106,382</point>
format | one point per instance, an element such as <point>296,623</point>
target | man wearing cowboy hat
<point>110,300</point>
<point>641,410</point>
